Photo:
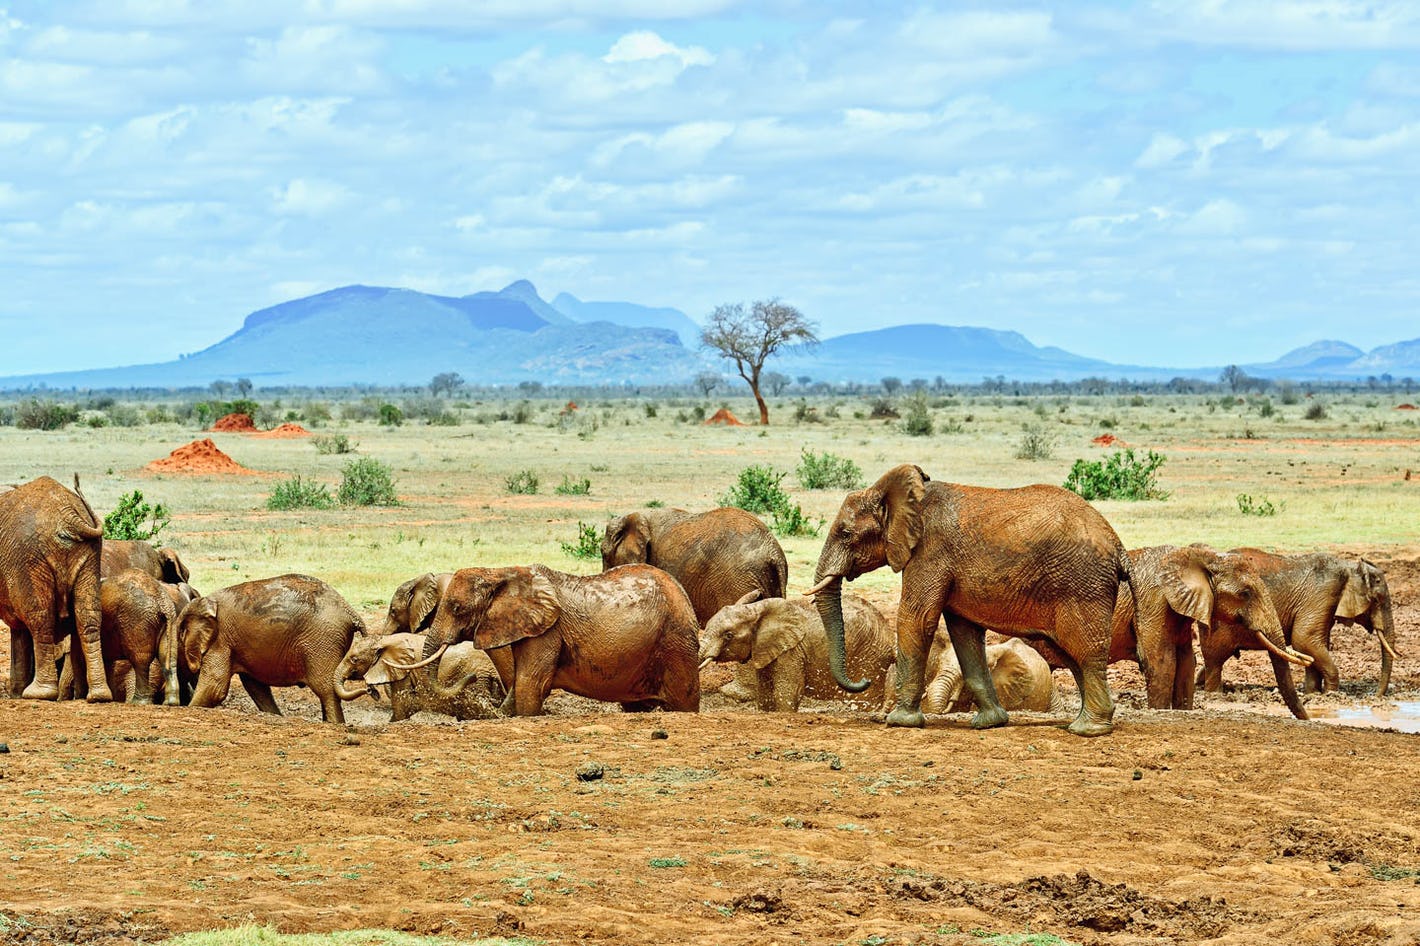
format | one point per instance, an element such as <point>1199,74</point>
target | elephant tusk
<point>706,662</point>
<point>421,663</point>
<point>1290,655</point>
<point>820,586</point>
<point>1386,646</point>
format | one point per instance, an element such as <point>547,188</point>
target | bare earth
<point>1230,824</point>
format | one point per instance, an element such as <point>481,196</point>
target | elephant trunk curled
<point>829,602</point>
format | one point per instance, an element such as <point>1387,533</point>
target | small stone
<point>1138,775</point>
<point>590,771</point>
<point>4,748</point>
<point>660,734</point>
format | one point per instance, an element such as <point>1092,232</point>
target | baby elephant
<point>1021,676</point>
<point>465,685</point>
<point>282,631</point>
<point>783,642</point>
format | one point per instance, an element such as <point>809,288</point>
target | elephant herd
<point>679,590</point>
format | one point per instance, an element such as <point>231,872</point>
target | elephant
<point>465,685</point>
<point>628,635</point>
<point>280,631</point>
<point>161,563</point>
<point>717,556</point>
<point>1037,561</point>
<point>413,603</point>
<point>139,626</point>
<point>784,644</point>
<point>1312,592</point>
<point>50,545</point>
<point>1020,675</point>
<point>1171,589</point>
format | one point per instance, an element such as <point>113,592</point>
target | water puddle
<point>1402,716</point>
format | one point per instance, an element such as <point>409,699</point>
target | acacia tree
<point>749,337</point>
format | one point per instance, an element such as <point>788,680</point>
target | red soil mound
<point>235,423</point>
<point>1405,407</point>
<point>200,456</point>
<point>285,430</point>
<point>1106,440</point>
<point>723,416</point>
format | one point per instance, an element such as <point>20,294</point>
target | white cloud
<point>1217,217</point>
<point>308,197</point>
<point>644,44</point>
<point>1293,25</point>
<point>1163,149</point>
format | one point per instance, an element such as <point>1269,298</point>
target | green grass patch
<point>522,483</point>
<point>571,487</point>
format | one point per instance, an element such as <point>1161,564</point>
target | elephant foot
<point>97,695</point>
<point>989,719</point>
<point>41,691</point>
<point>1090,727</point>
<point>904,717</point>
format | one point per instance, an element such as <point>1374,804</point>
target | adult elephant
<point>784,644</point>
<point>628,635</point>
<point>163,564</point>
<point>1311,593</point>
<point>464,685</point>
<point>1020,676</point>
<point>413,604</point>
<point>281,631</point>
<point>50,544</point>
<point>1225,593</point>
<point>1037,561</point>
<point>717,556</point>
<point>139,628</point>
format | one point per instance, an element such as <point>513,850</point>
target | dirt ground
<point>1229,824</point>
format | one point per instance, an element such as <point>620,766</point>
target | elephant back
<point>719,556</point>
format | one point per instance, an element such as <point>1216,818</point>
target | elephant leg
<point>89,638</point>
<point>66,679</point>
<point>1161,679</point>
<point>260,694</point>
<point>915,627</point>
<point>22,659</point>
<point>214,679</point>
<point>680,682</point>
<point>332,710</point>
<point>969,642</point>
<point>641,706</point>
<point>1185,665</point>
<point>1310,638</point>
<point>534,665</point>
<point>45,685</point>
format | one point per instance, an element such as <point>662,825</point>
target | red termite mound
<point>234,423</point>
<point>285,430</point>
<point>723,416</point>
<point>199,457</point>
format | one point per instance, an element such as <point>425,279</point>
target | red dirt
<point>234,423</point>
<point>723,416</point>
<point>200,457</point>
<point>1405,407</point>
<point>1229,825</point>
<point>285,430</point>
<point>1106,440</point>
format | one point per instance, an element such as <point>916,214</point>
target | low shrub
<point>35,414</point>
<point>918,422</point>
<point>1315,411</point>
<point>327,444</point>
<point>298,493</point>
<point>133,518</point>
<point>1260,506</point>
<point>522,483</point>
<point>1036,443</point>
<point>571,487</point>
<point>827,471</point>
<point>1121,475</point>
<point>757,490</point>
<point>367,482</point>
<point>588,544</point>
<point>391,416</point>
<point>790,520</point>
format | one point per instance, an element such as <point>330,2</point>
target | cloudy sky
<point>1182,182</point>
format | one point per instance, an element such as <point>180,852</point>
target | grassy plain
<point>1338,482</point>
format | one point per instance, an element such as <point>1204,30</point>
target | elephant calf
<point>1021,676</point>
<point>784,645</point>
<point>465,685</point>
<point>282,631</point>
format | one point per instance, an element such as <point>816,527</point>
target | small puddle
<point>1402,717</point>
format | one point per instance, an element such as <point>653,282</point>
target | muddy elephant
<point>413,604</point>
<point>628,635</point>
<point>1037,561</point>
<point>1311,593</point>
<point>163,564</point>
<point>1020,675</point>
<point>139,631</point>
<point>717,556</point>
<point>464,685</point>
<point>50,545</point>
<point>1174,587</point>
<point>784,645</point>
<point>281,631</point>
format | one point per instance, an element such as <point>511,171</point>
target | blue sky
<point>1184,182</point>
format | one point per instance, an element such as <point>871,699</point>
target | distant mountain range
<point>382,336</point>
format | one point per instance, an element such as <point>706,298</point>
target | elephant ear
<point>1188,583</point>
<point>1362,588</point>
<point>423,602</point>
<point>522,604</point>
<point>630,537</point>
<point>174,571</point>
<point>198,627</point>
<point>406,650</point>
<point>780,628</point>
<point>902,489</point>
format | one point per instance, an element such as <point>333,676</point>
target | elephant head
<point>493,607</point>
<point>1209,587</point>
<point>413,604</point>
<point>627,541</point>
<point>174,571</point>
<point>375,660</point>
<point>753,632</point>
<point>1366,601</point>
<point>879,525</point>
<point>197,629</point>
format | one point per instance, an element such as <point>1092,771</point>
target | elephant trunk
<point>1286,686</point>
<point>942,691</point>
<point>830,609</point>
<point>167,650</point>
<point>348,692</point>
<point>1385,630</point>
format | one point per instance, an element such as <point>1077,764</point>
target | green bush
<point>522,483</point>
<point>133,518</point>
<point>35,414</point>
<point>918,422</point>
<point>1036,443</point>
<point>333,444</point>
<point>790,520</point>
<point>571,487</point>
<point>367,482</point>
<point>827,471</point>
<point>297,493</point>
<point>804,413</point>
<point>757,490</point>
<point>588,544</point>
<point>125,415</point>
<point>1315,411</point>
<point>1261,506</point>
<point>391,416</point>
<point>1121,475</point>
